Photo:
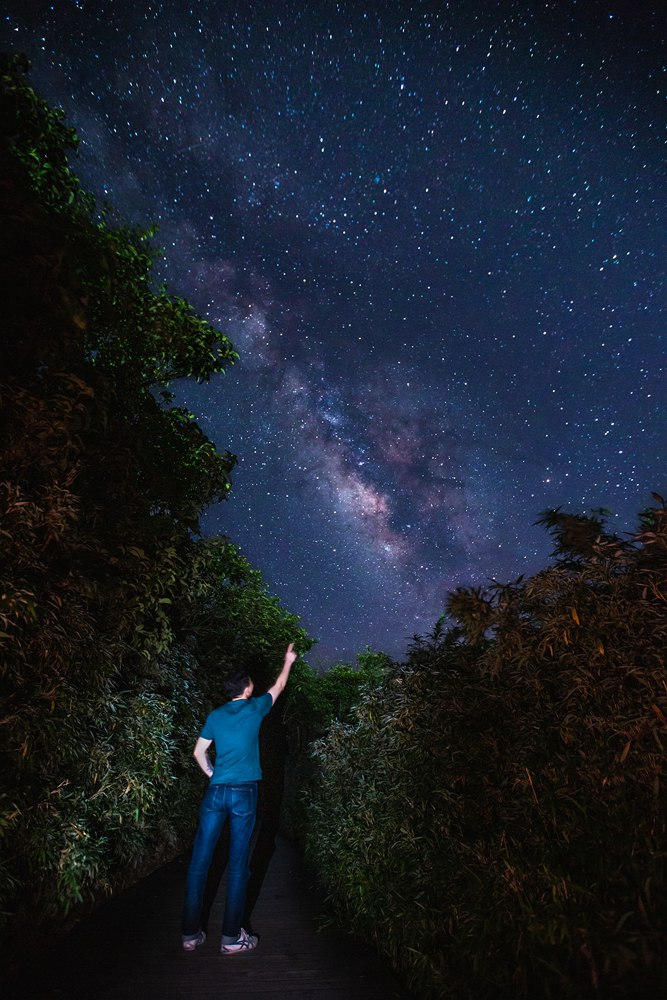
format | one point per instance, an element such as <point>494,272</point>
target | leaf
<point>658,711</point>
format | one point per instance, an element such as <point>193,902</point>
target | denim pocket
<point>214,800</point>
<point>243,799</point>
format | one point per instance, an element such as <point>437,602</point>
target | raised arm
<point>281,680</point>
<point>200,755</point>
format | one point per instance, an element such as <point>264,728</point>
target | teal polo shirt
<point>234,728</point>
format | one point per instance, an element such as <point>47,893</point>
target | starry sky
<point>435,233</point>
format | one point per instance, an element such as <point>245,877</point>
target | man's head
<point>237,685</point>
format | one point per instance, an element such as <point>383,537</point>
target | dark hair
<point>236,684</point>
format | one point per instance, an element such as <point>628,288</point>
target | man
<point>232,793</point>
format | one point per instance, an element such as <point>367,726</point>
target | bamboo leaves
<point>513,782</point>
<point>106,590</point>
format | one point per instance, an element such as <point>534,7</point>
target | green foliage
<point>331,696</point>
<point>501,800</point>
<point>314,703</point>
<point>319,699</point>
<point>39,141</point>
<point>117,622</point>
<point>236,624</point>
<point>94,811</point>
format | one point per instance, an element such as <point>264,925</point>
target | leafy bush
<point>314,702</point>
<point>493,816</point>
<point>108,599</point>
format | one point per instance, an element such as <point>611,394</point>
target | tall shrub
<point>315,701</point>
<point>102,482</point>
<point>494,816</point>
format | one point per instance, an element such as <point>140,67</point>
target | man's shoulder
<point>220,710</point>
<point>215,714</point>
<point>263,702</point>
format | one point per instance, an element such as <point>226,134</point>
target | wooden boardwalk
<point>129,949</point>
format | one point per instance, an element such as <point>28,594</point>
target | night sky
<point>435,232</point>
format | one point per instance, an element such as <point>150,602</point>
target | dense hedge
<point>315,700</point>
<point>494,815</point>
<point>118,622</point>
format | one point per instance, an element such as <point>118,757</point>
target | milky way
<point>435,234</point>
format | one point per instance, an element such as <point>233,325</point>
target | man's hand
<point>290,655</point>
<point>281,680</point>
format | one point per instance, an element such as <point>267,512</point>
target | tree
<point>102,483</point>
<point>502,797</point>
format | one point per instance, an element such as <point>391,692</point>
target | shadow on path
<point>262,850</point>
<point>129,949</point>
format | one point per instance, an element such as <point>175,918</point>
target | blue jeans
<point>239,803</point>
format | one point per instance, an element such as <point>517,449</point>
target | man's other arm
<point>281,680</point>
<point>200,755</point>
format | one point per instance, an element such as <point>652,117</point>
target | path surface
<point>130,949</point>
